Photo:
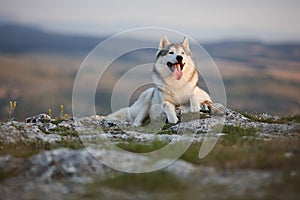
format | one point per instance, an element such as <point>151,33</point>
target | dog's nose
<point>179,58</point>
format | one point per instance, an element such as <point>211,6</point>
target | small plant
<point>62,115</point>
<point>66,116</point>
<point>50,112</point>
<point>61,111</point>
<point>11,108</point>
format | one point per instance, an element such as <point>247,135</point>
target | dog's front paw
<point>135,124</point>
<point>172,120</point>
<point>194,109</point>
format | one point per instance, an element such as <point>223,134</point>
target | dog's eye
<point>182,52</point>
<point>171,52</point>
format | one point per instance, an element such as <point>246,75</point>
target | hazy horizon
<point>266,21</point>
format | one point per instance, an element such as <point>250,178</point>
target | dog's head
<point>175,57</point>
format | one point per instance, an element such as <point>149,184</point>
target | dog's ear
<point>163,42</point>
<point>185,43</point>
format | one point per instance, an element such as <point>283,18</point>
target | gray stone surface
<point>59,172</point>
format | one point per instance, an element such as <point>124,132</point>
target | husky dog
<point>176,83</point>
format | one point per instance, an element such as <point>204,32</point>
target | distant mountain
<point>245,50</point>
<point>23,39</point>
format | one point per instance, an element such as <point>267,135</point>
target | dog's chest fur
<point>178,92</point>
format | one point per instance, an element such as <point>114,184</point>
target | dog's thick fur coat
<point>176,83</point>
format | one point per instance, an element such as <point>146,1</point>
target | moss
<point>154,128</point>
<point>139,147</point>
<point>44,130</point>
<point>6,174</point>
<point>114,128</point>
<point>168,131</point>
<point>273,120</point>
<point>70,143</point>
<point>159,181</point>
<point>57,121</point>
<point>27,149</point>
<point>191,155</point>
<point>167,126</point>
<point>292,119</point>
<point>63,131</point>
<point>234,134</point>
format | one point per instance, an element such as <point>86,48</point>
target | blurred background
<point>255,44</point>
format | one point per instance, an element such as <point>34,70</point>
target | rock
<point>10,164</point>
<point>77,165</point>
<point>14,132</point>
<point>95,126</point>
<point>65,172</point>
<point>41,118</point>
<point>66,125</point>
<point>38,128</point>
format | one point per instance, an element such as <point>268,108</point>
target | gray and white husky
<point>176,83</point>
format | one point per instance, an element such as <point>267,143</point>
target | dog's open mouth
<point>176,68</point>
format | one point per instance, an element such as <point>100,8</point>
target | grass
<point>272,120</point>
<point>238,149</point>
<point>250,154</point>
<point>6,174</point>
<point>237,134</point>
<point>28,149</point>
<point>289,185</point>
<point>138,147</point>
<point>154,182</point>
<point>241,152</point>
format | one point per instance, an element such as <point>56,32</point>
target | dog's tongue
<point>177,72</point>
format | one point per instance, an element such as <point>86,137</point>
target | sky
<point>265,20</point>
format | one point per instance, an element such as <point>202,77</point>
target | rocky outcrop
<point>60,171</point>
<point>56,173</point>
<point>43,128</point>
